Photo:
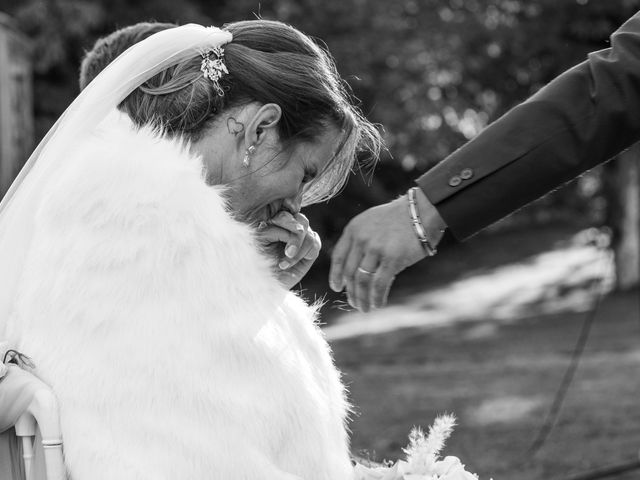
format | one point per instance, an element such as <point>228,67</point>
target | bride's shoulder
<point>129,176</point>
<point>137,193</point>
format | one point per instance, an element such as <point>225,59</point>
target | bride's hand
<point>297,246</point>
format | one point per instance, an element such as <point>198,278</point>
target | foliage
<point>432,72</point>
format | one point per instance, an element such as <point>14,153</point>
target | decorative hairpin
<point>213,67</point>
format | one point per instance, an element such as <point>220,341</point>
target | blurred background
<point>486,329</point>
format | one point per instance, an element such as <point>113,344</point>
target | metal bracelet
<point>429,249</point>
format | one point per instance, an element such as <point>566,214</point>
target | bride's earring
<point>247,156</point>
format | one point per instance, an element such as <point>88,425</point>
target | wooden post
<point>16,102</point>
<point>624,216</point>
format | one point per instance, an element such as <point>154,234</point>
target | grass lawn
<point>498,369</point>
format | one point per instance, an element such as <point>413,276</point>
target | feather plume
<point>423,450</point>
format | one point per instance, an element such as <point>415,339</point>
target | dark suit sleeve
<point>579,120</point>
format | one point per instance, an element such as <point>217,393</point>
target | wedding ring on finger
<point>366,272</point>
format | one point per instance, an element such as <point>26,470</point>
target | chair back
<point>38,427</point>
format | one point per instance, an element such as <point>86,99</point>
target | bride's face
<point>276,176</point>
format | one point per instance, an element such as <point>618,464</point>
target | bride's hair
<point>268,62</point>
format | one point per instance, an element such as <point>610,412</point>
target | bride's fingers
<point>315,246</point>
<point>294,275</point>
<point>302,220</point>
<point>286,219</point>
<point>272,233</point>
<point>295,254</point>
<point>309,250</point>
<point>274,236</point>
<point>306,258</point>
<point>296,226</point>
<point>306,255</point>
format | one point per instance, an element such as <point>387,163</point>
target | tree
<point>433,72</point>
<point>16,99</point>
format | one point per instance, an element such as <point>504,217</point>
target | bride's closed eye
<point>309,175</point>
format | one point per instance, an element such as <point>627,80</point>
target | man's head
<point>106,49</point>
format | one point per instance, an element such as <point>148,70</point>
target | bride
<point>133,266</point>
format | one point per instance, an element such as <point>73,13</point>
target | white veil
<point>127,72</point>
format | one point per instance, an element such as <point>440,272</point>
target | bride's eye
<point>309,175</point>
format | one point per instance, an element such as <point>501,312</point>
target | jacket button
<point>455,181</point>
<point>466,174</point>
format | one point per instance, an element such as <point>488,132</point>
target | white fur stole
<point>173,350</point>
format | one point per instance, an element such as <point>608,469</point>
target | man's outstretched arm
<point>581,119</point>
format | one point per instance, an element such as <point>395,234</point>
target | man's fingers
<point>381,285</point>
<point>364,276</point>
<point>349,270</point>
<point>388,228</point>
<point>338,258</point>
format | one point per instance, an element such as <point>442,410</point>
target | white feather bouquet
<point>423,458</point>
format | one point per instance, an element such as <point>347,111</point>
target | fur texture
<point>173,350</point>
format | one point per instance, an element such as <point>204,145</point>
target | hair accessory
<point>417,224</point>
<point>247,155</point>
<point>213,67</point>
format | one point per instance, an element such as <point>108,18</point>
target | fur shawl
<point>174,352</point>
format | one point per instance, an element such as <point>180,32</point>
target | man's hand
<point>378,244</point>
<point>295,245</point>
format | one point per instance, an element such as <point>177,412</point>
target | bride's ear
<point>262,124</point>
